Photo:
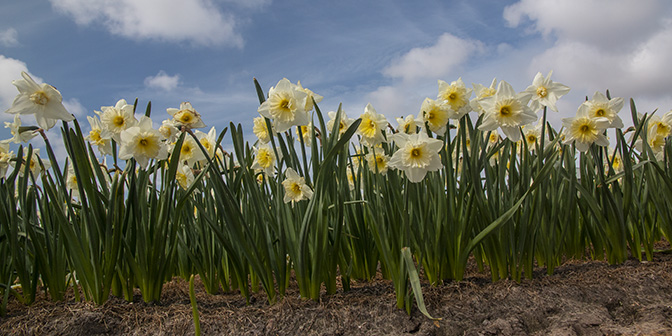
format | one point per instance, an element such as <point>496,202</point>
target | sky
<point>387,53</point>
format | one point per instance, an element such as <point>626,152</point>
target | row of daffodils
<point>478,172</point>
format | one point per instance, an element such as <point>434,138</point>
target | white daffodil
<point>545,92</point>
<point>310,97</point>
<point>169,131</point>
<point>660,125</point>
<point>296,188</point>
<point>435,114</point>
<point>260,129</point>
<point>417,155</point>
<point>190,152</point>
<point>184,176</point>
<point>377,160</point>
<point>5,157</point>
<point>208,140</point>
<point>343,124</point>
<point>584,130</point>
<point>532,135</point>
<point>493,139</point>
<point>506,110</point>
<point>99,136</point>
<point>186,116</point>
<point>456,96</point>
<point>372,127</point>
<point>615,161</point>
<point>71,182</point>
<point>35,164</point>
<point>44,101</point>
<point>408,125</point>
<point>117,118</point>
<point>481,92</point>
<point>18,134</point>
<point>285,106</point>
<point>305,133</point>
<point>601,107</point>
<point>264,159</point>
<point>655,141</point>
<point>143,143</point>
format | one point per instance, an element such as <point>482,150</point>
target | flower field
<point>321,200</point>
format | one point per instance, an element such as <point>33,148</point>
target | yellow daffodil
<point>372,127</point>
<point>377,160</point>
<point>481,92</point>
<point>435,114</point>
<point>184,176</point>
<point>44,101</point>
<point>584,130</point>
<point>5,157</point>
<point>208,140</point>
<point>264,159</point>
<point>310,96</point>
<point>343,124</point>
<point>260,130</point>
<point>35,164</point>
<point>456,96</point>
<point>169,131</point>
<point>408,125</point>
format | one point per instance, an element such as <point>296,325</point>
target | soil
<point>580,298</point>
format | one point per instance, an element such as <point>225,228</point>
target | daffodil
<point>481,92</point>
<point>184,176</point>
<point>264,159</point>
<point>190,152</point>
<point>584,130</point>
<point>19,135</point>
<point>186,116</point>
<point>435,114</point>
<point>71,182</point>
<point>35,164</point>
<point>601,107</point>
<point>117,118</point>
<point>310,96</point>
<point>660,125</point>
<point>143,143</point>
<point>377,160</point>
<point>545,92</point>
<point>169,131</point>
<point>506,110</point>
<point>615,161</point>
<point>208,140</point>
<point>305,133</point>
<point>408,125</point>
<point>343,124</point>
<point>260,130</point>
<point>655,141</point>
<point>417,155</point>
<point>99,136</point>
<point>44,101</point>
<point>285,106</point>
<point>295,186</point>
<point>532,135</point>
<point>372,127</point>
<point>5,157</point>
<point>456,96</point>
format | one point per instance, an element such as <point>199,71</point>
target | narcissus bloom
<point>44,101</point>
<point>601,107</point>
<point>377,160</point>
<point>5,157</point>
<point>584,130</point>
<point>532,135</point>
<point>306,133</point>
<point>260,129</point>
<point>169,131</point>
<point>456,96</point>
<point>190,151</point>
<point>184,176</point>
<point>186,116</point>
<point>372,127</point>
<point>343,124</point>
<point>264,159</point>
<point>35,164</point>
<point>143,143</point>
<point>310,97</point>
<point>99,136</point>
<point>506,110</point>
<point>117,118</point>
<point>417,155</point>
<point>481,92</point>
<point>296,188</point>
<point>17,135</point>
<point>71,182</point>
<point>285,106</point>
<point>408,125</point>
<point>208,140</point>
<point>545,92</point>
<point>435,114</point>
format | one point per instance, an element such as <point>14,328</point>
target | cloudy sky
<point>388,53</point>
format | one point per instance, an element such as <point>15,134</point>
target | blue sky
<point>388,53</point>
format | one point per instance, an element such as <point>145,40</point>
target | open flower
<point>584,130</point>
<point>143,143</point>
<point>408,125</point>
<point>417,155</point>
<point>296,188</point>
<point>435,114</point>
<point>545,92</point>
<point>208,140</point>
<point>18,134</point>
<point>184,176</point>
<point>117,118</point>
<point>44,101</point>
<point>99,136</point>
<point>190,151</point>
<point>5,157</point>
<point>377,160</point>
<point>260,130</point>
<point>343,124</point>
<point>169,131</point>
<point>264,159</point>
<point>35,164</point>
<point>456,96</point>
<point>372,126</point>
<point>186,116</point>
<point>71,181</point>
<point>285,106</point>
<point>532,135</point>
<point>481,92</point>
<point>506,110</point>
<point>310,97</point>
<point>601,107</point>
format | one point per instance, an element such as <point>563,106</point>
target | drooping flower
<point>143,143</point>
<point>456,97</point>
<point>506,110</point>
<point>18,134</point>
<point>117,118</point>
<point>264,159</point>
<point>408,125</point>
<point>601,107</point>
<point>44,101</point>
<point>310,97</point>
<point>377,160</point>
<point>5,157</point>
<point>584,130</point>
<point>260,130</point>
<point>417,155</point>
<point>372,126</point>
<point>481,92</point>
<point>296,188</point>
<point>343,124</point>
<point>545,92</point>
<point>186,116</point>
<point>99,136</point>
<point>285,106</point>
<point>435,114</point>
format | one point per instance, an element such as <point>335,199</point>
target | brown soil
<point>580,298</point>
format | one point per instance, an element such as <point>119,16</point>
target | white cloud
<point>197,21</point>
<point>75,107</point>
<point>162,81</point>
<point>10,69</point>
<point>435,61</point>
<point>9,38</point>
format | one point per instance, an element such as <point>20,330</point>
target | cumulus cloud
<point>75,107</point>
<point>10,69</point>
<point>197,21</point>
<point>162,81</point>
<point>434,61</point>
<point>9,38</point>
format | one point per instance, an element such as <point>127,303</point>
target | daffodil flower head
<point>99,136</point>
<point>42,100</point>
<point>601,107</point>
<point>659,125</point>
<point>184,176</point>
<point>343,124</point>
<point>5,157</point>
<point>169,131</point>
<point>506,110</point>
<point>285,106</point>
<point>545,92</point>
<point>260,129</point>
<point>417,155</point>
<point>456,96</point>
<point>435,114</point>
<point>372,127</point>
<point>306,133</point>
<point>584,130</point>
<point>143,143</point>
<point>19,135</point>
<point>35,164</point>
<point>295,186</point>
<point>408,125</point>
<point>310,96</point>
<point>71,181</point>
<point>117,118</point>
<point>186,116</point>
<point>208,140</point>
<point>190,152</point>
<point>264,159</point>
<point>377,160</point>
<point>532,135</point>
<point>481,92</point>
